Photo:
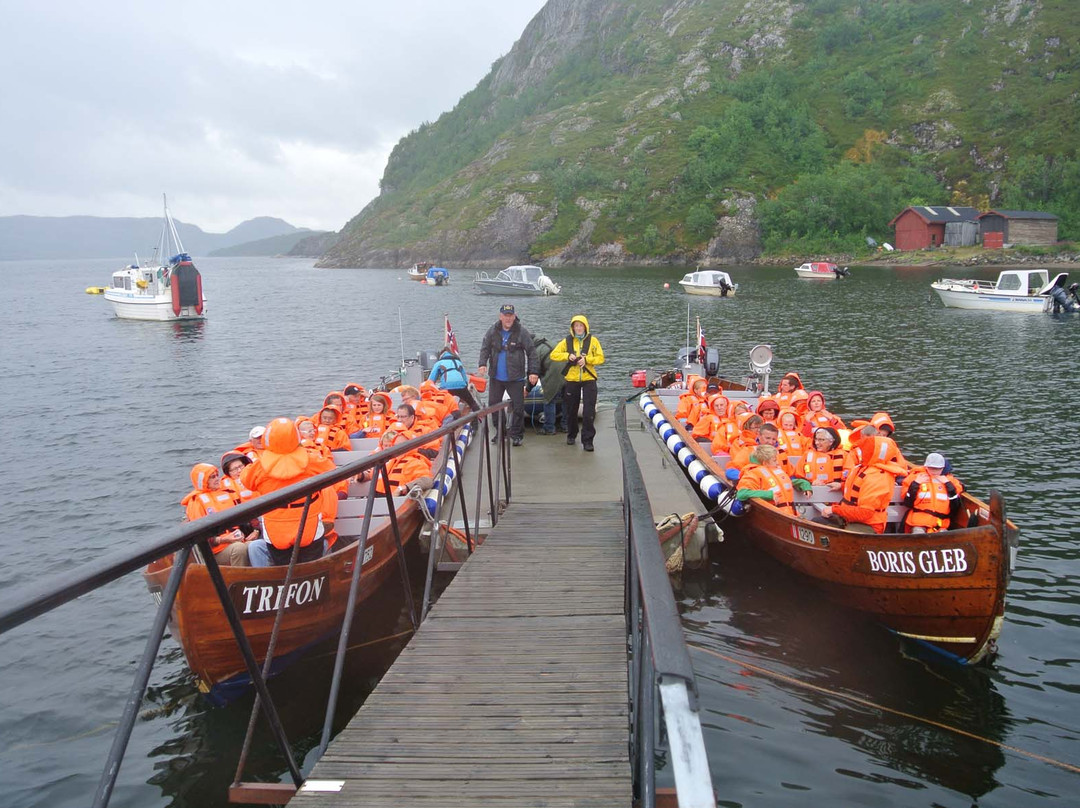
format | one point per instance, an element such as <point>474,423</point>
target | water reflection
<point>188,330</point>
<point>783,659</point>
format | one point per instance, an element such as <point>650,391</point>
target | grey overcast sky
<point>234,108</point>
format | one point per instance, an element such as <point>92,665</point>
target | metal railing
<point>662,685</point>
<point>34,600</point>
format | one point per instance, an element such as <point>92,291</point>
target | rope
<point>875,706</point>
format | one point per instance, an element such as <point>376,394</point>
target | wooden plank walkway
<point>514,690</point>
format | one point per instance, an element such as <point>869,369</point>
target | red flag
<point>451,338</point>
<point>701,343</point>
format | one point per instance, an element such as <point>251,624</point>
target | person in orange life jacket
<point>442,403</point>
<point>745,442</point>
<point>508,358</point>
<point>817,415</point>
<point>729,428</point>
<point>427,414</point>
<point>356,407</point>
<point>254,445</point>
<point>282,463</point>
<point>232,464</point>
<point>786,389</point>
<point>379,416</point>
<point>823,463</point>
<point>709,426</point>
<point>409,427</point>
<point>765,479</point>
<point>583,354</point>
<point>869,486</point>
<point>768,409</point>
<point>792,439</point>
<point>330,432</point>
<point>933,498</point>
<point>799,401</point>
<point>769,435</point>
<point>694,402</point>
<point>867,440</point>
<point>404,470</point>
<point>207,496</point>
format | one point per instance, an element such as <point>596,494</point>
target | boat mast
<point>172,226</point>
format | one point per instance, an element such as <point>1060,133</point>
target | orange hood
<point>200,481</point>
<point>718,397</point>
<point>284,457</point>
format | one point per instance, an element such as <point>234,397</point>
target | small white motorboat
<point>710,282</point>
<point>419,271</point>
<point>516,281</point>
<point>1019,290</point>
<point>821,270</point>
<point>159,291</point>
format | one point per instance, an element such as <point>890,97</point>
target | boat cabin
<point>1023,281</point>
<point>521,274</point>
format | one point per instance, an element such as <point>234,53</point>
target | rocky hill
<point>705,131</point>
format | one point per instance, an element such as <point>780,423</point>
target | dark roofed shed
<point>1033,227</point>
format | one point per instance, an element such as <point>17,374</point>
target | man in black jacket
<point>509,354</point>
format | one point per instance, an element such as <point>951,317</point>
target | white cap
<point>257,432</point>
<point>934,461</point>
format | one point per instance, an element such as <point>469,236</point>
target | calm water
<point>103,418</point>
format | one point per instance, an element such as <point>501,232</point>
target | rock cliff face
<point>608,133</point>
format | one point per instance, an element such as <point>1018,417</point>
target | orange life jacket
<point>760,478</point>
<point>822,468</point>
<point>930,510</point>
<point>403,470</point>
<point>281,526</point>
<point>201,503</point>
<point>869,487</point>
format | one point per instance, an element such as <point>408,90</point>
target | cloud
<point>236,109</point>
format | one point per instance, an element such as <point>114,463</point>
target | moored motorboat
<point>159,291</point>
<point>711,282</point>
<point>516,281</point>
<point>945,590</point>
<point>437,276</point>
<point>821,270</point>
<point>418,272</point>
<point>1015,290</point>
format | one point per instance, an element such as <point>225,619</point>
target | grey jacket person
<point>520,351</point>
<point>551,376</point>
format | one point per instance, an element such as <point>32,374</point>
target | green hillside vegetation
<point>831,115</point>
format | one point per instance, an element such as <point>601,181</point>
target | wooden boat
<point>945,590</point>
<point>315,602</point>
<point>317,596</point>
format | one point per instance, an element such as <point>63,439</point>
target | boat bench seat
<point>355,507</point>
<point>822,494</point>
<point>350,526</point>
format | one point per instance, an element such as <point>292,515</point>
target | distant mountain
<point>274,245</point>
<point>29,237</point>
<point>315,245</point>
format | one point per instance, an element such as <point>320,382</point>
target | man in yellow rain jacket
<point>582,353</point>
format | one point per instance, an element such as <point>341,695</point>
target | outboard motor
<point>427,360</point>
<point>725,287</point>
<point>841,272</point>
<point>1062,300</point>
<point>712,362</point>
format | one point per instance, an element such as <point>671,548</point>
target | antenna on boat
<point>172,227</point>
<point>401,336</point>
<point>688,328</point>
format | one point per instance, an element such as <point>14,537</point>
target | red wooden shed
<point>921,226</point>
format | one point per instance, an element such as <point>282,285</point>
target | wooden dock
<point>514,690</point>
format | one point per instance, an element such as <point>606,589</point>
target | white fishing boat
<point>419,271</point>
<point>170,290</point>
<point>1017,290</point>
<point>821,270</point>
<point>710,282</point>
<point>516,281</point>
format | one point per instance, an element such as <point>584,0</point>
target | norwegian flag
<point>701,346</point>
<point>451,337</point>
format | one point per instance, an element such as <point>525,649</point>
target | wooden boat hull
<point>946,590</point>
<point>315,605</point>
